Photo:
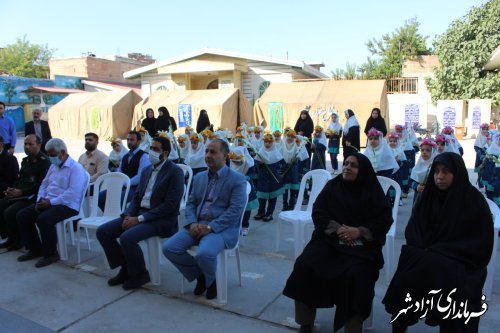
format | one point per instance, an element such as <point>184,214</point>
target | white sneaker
<point>244,231</point>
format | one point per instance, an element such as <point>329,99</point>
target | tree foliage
<point>463,50</point>
<point>393,49</point>
<point>25,59</point>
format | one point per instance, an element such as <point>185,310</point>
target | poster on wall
<point>476,117</point>
<point>449,116</point>
<point>276,116</point>
<point>412,114</point>
<point>184,117</point>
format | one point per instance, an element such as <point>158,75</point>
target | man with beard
<point>93,160</point>
<point>38,127</point>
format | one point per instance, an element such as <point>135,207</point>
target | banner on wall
<point>412,114</point>
<point>276,116</point>
<point>184,116</point>
<point>476,117</point>
<point>449,116</point>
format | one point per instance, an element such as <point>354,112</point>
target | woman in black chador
<point>341,263</point>
<point>149,123</point>
<point>164,121</point>
<point>376,121</point>
<point>449,240</point>
<point>203,122</point>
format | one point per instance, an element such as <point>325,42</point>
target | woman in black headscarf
<point>164,121</point>
<point>376,121</point>
<point>203,122</point>
<point>341,263</point>
<point>305,127</point>
<point>449,241</point>
<point>350,140</point>
<point>149,123</point>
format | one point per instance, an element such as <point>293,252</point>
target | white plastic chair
<point>389,249</point>
<point>67,224</point>
<point>221,275</point>
<point>187,170</point>
<point>154,257</point>
<point>298,217</point>
<point>488,285</point>
<point>113,183</point>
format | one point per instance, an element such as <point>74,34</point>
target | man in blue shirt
<point>7,130</point>
<point>59,198</point>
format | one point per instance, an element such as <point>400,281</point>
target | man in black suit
<point>153,211</point>
<point>9,169</point>
<point>38,127</point>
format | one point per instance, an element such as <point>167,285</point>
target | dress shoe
<point>29,255</point>
<point>45,261</point>
<point>305,329</point>
<point>212,291</point>
<point>119,278</point>
<point>200,285</point>
<point>267,218</point>
<point>258,217</point>
<point>136,281</point>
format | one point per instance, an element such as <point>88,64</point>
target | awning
<point>49,90</point>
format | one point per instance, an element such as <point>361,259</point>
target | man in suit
<point>38,127</point>
<point>153,211</point>
<point>213,215</point>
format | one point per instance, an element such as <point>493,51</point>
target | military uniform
<point>33,171</point>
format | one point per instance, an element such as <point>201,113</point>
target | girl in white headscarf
<point>291,181</point>
<point>242,162</point>
<point>318,147</point>
<point>270,166</point>
<point>380,155</point>
<point>184,145</point>
<point>116,155</point>
<point>481,144</point>
<point>334,133</point>
<point>195,158</point>
<point>420,172</point>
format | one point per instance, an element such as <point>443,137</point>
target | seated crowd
<point>341,263</point>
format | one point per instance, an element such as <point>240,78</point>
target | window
<point>213,85</point>
<point>263,86</point>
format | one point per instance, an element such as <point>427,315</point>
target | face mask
<point>54,160</point>
<point>154,157</point>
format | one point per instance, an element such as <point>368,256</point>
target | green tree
<point>25,59</point>
<point>463,49</point>
<point>392,50</point>
<point>10,91</point>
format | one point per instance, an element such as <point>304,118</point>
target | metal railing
<point>406,85</point>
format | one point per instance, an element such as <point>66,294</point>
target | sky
<point>330,31</point>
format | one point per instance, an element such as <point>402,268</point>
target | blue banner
<point>184,115</point>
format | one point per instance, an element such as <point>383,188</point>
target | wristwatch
<point>209,228</point>
<point>140,218</point>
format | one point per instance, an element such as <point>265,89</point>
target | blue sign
<point>449,117</point>
<point>412,113</point>
<point>476,117</point>
<point>184,115</point>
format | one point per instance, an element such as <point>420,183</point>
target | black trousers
<point>127,253</point>
<point>8,224</point>
<point>28,219</point>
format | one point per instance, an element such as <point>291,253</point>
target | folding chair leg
<point>154,260</point>
<point>78,244</point>
<point>298,228</point>
<point>237,251</point>
<point>221,277</point>
<point>61,240</point>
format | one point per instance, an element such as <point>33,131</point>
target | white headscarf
<point>248,161</point>
<point>279,145</point>
<point>289,150</point>
<point>381,156</point>
<point>269,156</point>
<point>184,151</point>
<point>196,158</point>
<point>481,141</point>
<point>451,144</point>
<point>303,153</point>
<point>146,143</point>
<point>350,122</point>
<point>421,168</point>
<point>117,157</point>
<point>322,139</point>
<point>494,148</point>
<point>335,126</point>
<point>174,153</point>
